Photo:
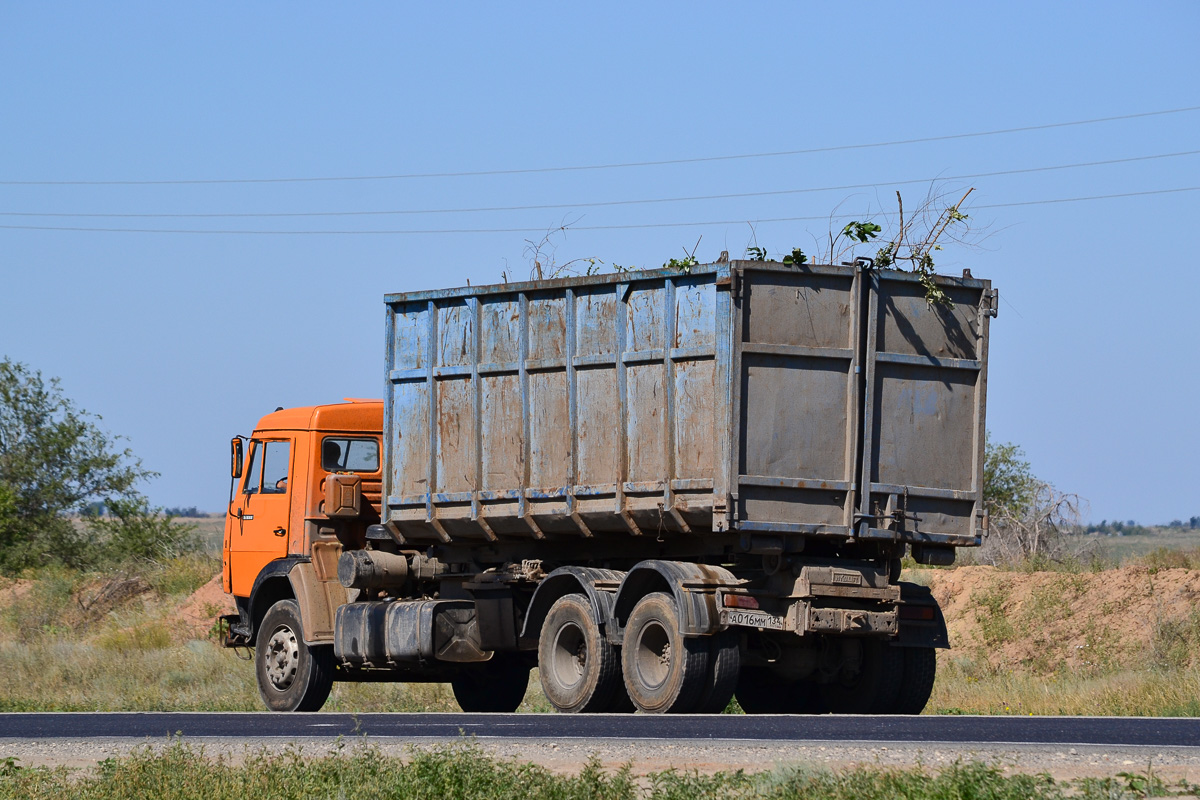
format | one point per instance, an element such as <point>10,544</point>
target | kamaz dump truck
<point>663,489</point>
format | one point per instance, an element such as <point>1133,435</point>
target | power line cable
<point>570,227</point>
<point>598,204</point>
<point>625,165</point>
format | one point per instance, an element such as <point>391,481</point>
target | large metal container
<point>751,400</point>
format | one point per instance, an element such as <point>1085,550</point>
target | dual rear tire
<point>657,669</point>
<point>579,668</point>
<point>884,680</point>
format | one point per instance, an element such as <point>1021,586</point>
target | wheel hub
<point>570,655</point>
<point>283,657</point>
<point>654,655</point>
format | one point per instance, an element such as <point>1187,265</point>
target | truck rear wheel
<point>872,686</point>
<point>920,670</point>
<point>665,672</point>
<point>579,669</point>
<point>292,676</point>
<point>496,686</point>
<point>761,691</point>
<point>724,666</point>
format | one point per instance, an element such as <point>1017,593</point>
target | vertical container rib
<point>854,384</point>
<point>622,416</point>
<point>723,422</point>
<point>431,393</point>
<point>865,512</point>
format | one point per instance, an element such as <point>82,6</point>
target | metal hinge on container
<point>989,302</point>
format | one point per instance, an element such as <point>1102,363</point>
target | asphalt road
<point>1135,731</point>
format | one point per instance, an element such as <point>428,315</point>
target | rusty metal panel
<point>550,435</point>
<point>561,408</point>
<point>599,454</point>
<point>926,380</point>
<point>738,397</point>
<point>798,375</point>
<point>647,409</point>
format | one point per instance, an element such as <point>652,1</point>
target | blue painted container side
<point>745,399</point>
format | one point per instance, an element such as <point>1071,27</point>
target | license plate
<point>752,619</point>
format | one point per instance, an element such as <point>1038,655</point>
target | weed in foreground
<point>181,771</point>
<point>464,771</point>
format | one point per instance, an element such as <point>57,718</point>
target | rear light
<point>917,612</point>
<point>740,601</point>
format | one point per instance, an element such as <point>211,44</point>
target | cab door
<point>260,512</point>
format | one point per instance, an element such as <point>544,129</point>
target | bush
<point>137,639</point>
<point>133,530</point>
<point>54,459</point>
<point>1031,520</point>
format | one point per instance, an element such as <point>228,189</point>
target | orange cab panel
<point>259,516</point>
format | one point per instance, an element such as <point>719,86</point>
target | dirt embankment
<point>199,611</point>
<point>1044,621</point>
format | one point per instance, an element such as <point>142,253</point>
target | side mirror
<point>235,453</point>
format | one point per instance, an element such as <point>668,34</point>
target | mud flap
<point>921,620</point>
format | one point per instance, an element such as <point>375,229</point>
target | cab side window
<point>275,467</point>
<point>255,471</point>
<point>342,454</point>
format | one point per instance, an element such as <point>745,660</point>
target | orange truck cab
<point>306,481</point>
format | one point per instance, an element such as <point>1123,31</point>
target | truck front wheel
<point>292,676</point>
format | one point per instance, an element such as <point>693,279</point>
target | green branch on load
<point>917,237</point>
<point>918,251</point>
<point>686,263</point>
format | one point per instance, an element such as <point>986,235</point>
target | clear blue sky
<point>180,340</point>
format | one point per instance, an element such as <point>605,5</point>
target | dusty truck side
<point>662,489</point>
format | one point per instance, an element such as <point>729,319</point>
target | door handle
<point>280,532</point>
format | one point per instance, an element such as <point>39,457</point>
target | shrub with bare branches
<point>1030,519</point>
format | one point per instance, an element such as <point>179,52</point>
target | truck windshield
<point>341,454</point>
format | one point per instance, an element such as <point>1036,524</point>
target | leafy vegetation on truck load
<point>55,462</point>
<point>910,246</point>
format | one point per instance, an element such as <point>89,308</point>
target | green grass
<point>464,772</point>
<point>970,685</point>
<point>182,575</point>
<point>137,668</point>
<point>1124,549</point>
<point>65,647</point>
<point>994,618</point>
